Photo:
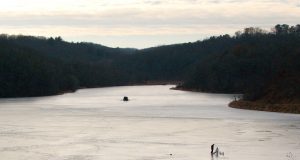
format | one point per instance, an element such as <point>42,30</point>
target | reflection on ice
<point>157,124</point>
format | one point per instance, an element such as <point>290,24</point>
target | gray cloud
<point>139,19</point>
<point>153,2</point>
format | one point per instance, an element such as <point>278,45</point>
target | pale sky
<point>142,23</point>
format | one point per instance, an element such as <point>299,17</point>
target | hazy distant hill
<point>58,48</point>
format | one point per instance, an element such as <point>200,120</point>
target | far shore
<point>198,90</point>
<point>184,89</point>
<point>75,90</point>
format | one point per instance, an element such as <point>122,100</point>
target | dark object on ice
<point>217,152</point>
<point>212,149</point>
<point>125,99</point>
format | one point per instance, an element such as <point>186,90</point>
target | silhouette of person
<point>217,152</point>
<point>212,149</point>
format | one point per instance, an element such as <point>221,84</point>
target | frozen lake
<point>94,124</point>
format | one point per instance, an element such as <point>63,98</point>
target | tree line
<point>263,65</point>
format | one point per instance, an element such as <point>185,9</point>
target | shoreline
<point>198,90</point>
<point>73,91</point>
<point>239,104</point>
<point>184,89</point>
<point>261,106</point>
<point>256,106</point>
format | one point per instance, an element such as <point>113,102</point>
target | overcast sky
<point>142,23</point>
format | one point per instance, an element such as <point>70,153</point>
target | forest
<point>262,65</point>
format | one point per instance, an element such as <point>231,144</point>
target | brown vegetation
<point>262,106</point>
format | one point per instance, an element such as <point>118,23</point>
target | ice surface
<point>95,124</point>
